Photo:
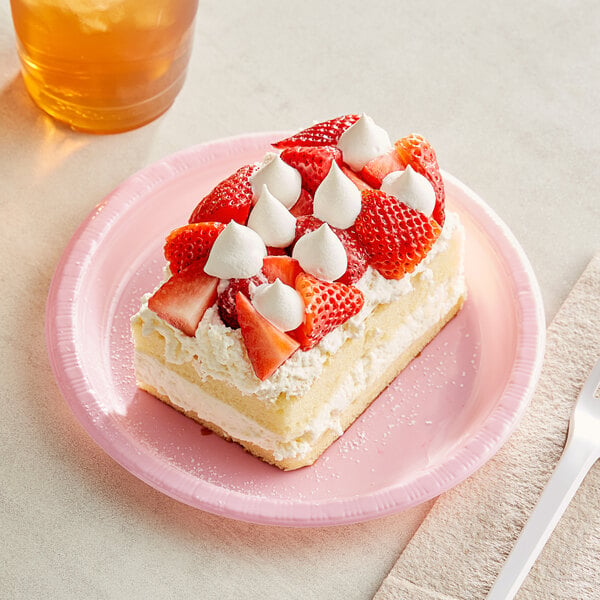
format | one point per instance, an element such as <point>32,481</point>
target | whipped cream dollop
<point>272,220</point>
<point>280,304</point>
<point>363,141</point>
<point>237,252</point>
<point>321,254</point>
<point>412,188</point>
<point>285,182</point>
<point>337,200</point>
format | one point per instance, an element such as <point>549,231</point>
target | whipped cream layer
<point>220,350</point>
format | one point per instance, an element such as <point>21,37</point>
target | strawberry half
<point>272,251</point>
<point>358,261</point>
<point>230,200</point>
<point>284,268</point>
<point>303,206</point>
<point>375,170</point>
<point>328,305</point>
<point>355,179</point>
<point>226,301</point>
<point>355,253</point>
<point>191,243</point>
<point>395,236</point>
<point>326,133</point>
<point>416,151</point>
<point>267,346</point>
<point>183,299</point>
<point>313,163</point>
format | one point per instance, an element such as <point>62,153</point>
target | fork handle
<point>575,462</point>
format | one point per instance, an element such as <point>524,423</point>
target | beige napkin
<point>464,541</point>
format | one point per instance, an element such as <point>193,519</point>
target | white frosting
<point>321,254</point>
<point>272,220</point>
<point>411,188</point>
<point>337,200</point>
<point>363,141</point>
<point>280,304</point>
<point>222,286</point>
<point>284,182</point>
<point>217,351</point>
<point>237,252</point>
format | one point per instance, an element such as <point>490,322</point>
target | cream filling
<point>189,397</point>
<point>218,351</point>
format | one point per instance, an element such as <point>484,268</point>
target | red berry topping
<point>306,224</point>
<point>375,170</point>
<point>267,346</point>
<point>328,305</point>
<point>230,200</point>
<point>395,236</point>
<point>226,300</point>
<point>355,253</point>
<point>304,205</point>
<point>358,261</point>
<point>191,243</point>
<point>356,180</point>
<point>322,134</point>
<point>183,299</point>
<point>313,163</point>
<point>272,251</point>
<point>417,152</point>
<point>284,268</point>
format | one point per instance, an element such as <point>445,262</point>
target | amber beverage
<point>104,66</point>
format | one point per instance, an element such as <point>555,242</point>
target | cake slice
<point>301,287</point>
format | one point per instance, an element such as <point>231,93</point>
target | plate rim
<point>478,449</point>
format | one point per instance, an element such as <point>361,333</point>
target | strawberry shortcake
<point>300,287</point>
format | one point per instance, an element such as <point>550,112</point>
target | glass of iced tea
<point>104,66</point>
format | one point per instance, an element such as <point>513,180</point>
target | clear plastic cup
<point>104,66</point>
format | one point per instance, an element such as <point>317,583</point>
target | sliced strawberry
<point>226,299</point>
<point>191,243</point>
<point>306,224</point>
<point>230,200</point>
<point>284,268</point>
<point>326,133</point>
<point>358,261</point>
<point>395,236</point>
<point>267,346</point>
<point>356,180</point>
<point>313,163</point>
<point>355,253</point>
<point>272,251</point>
<point>416,151</point>
<point>375,170</point>
<point>304,205</point>
<point>183,299</point>
<point>328,305</point>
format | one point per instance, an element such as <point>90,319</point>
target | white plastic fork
<point>582,450</point>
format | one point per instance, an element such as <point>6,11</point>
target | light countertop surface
<point>508,93</point>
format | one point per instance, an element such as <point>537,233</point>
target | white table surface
<point>507,92</point>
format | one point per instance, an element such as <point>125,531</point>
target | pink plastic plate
<point>438,422</point>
